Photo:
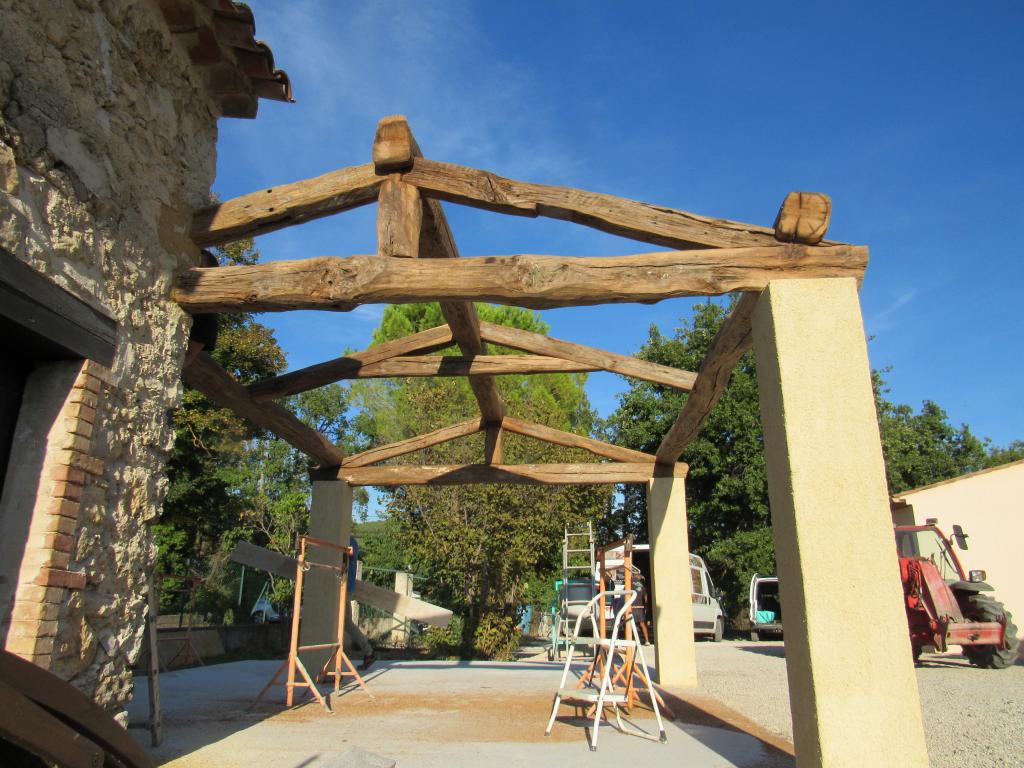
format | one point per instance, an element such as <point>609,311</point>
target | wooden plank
<point>264,559</point>
<point>619,216</point>
<point>515,474</point>
<point>570,440</point>
<point>401,605</point>
<point>527,341</point>
<point>399,219</point>
<point>393,145</point>
<point>36,305</point>
<point>277,207</point>
<point>311,377</point>
<point>539,282</point>
<point>156,726</point>
<point>419,442</point>
<point>204,374</point>
<point>803,218</point>
<point>461,365</point>
<point>30,727</point>
<point>733,339</point>
<point>72,707</point>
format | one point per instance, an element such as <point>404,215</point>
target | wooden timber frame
<point>417,260</point>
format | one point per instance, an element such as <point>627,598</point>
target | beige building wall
<point>990,507</point>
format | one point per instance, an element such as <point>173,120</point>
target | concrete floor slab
<point>426,713</point>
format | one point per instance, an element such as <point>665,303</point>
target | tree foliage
<point>476,549</point>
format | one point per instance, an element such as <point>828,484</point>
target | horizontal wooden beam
<point>340,368</point>
<point>513,474</point>
<point>419,442</point>
<point>617,215</point>
<point>539,282</point>
<point>731,341</point>
<point>278,207</point>
<point>527,341</point>
<point>571,440</point>
<point>204,374</point>
<point>463,365</point>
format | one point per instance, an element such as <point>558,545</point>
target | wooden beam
<point>347,367</point>
<point>527,341</point>
<point>619,216</point>
<point>803,218</point>
<point>465,365</point>
<point>402,447</point>
<point>733,339</point>
<point>28,726</point>
<point>538,282</point>
<point>571,440</point>
<point>204,374</point>
<point>515,474</point>
<point>494,444</point>
<point>278,207</point>
<point>399,219</point>
<point>394,147</point>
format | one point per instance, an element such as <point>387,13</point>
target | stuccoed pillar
<point>330,518</point>
<point>852,689</point>
<point>675,654</point>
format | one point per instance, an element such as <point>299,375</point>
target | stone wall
<point>106,145</point>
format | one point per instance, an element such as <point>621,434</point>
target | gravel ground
<point>972,717</point>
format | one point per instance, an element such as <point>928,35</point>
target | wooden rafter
<point>539,282</point>
<point>402,447</point>
<point>515,474</point>
<point>571,440</point>
<point>204,374</point>
<point>395,147</point>
<point>277,207</point>
<point>728,346</point>
<point>527,341</point>
<point>619,216</point>
<point>348,366</point>
<point>418,366</point>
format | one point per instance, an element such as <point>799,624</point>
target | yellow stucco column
<point>675,654</point>
<point>852,688</point>
<point>330,518</point>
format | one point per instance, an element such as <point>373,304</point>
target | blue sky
<point>909,115</point>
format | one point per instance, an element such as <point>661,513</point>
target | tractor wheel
<point>984,608</point>
<point>719,630</point>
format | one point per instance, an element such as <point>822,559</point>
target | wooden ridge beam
<point>347,367</point>
<point>538,282</point>
<point>204,374</point>
<point>528,341</point>
<point>571,440</point>
<point>619,216</point>
<point>733,339</point>
<point>418,366</point>
<point>395,148</point>
<point>277,207</point>
<point>515,474</point>
<point>409,445</point>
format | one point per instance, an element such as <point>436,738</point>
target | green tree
<point>476,549</point>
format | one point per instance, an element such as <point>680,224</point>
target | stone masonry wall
<point>106,145</point>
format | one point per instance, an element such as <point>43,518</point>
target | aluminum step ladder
<point>607,649</point>
<point>579,566</point>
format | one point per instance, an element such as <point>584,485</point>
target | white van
<point>765,608</point>
<point>708,619</point>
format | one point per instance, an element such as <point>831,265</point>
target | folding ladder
<point>578,584</point>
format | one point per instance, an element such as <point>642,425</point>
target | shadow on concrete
<point>777,651</point>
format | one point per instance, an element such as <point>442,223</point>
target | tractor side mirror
<point>959,537</point>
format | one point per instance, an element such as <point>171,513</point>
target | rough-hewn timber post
<point>670,592</point>
<point>852,689</point>
<point>330,518</point>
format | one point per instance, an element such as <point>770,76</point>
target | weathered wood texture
<point>733,339</point>
<point>471,365</point>
<point>264,559</point>
<point>803,218</point>
<point>494,444</point>
<point>409,445</point>
<point>399,219</point>
<point>217,384</point>
<point>570,440</point>
<point>514,474</point>
<point>278,207</point>
<point>619,216</point>
<point>527,341</point>
<point>348,366</point>
<point>437,242</point>
<point>539,282</point>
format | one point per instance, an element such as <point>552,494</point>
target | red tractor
<point>945,606</point>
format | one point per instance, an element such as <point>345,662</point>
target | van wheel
<point>755,635</point>
<point>719,630</point>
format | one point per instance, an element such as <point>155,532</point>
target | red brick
<point>59,524</point>
<point>56,577</point>
<point>72,442</point>
<point>59,559</point>
<point>88,464</point>
<point>64,474</point>
<point>69,491</point>
<point>59,542</point>
<point>88,383</point>
<point>80,427</point>
<point>84,396</point>
<point>62,507</point>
